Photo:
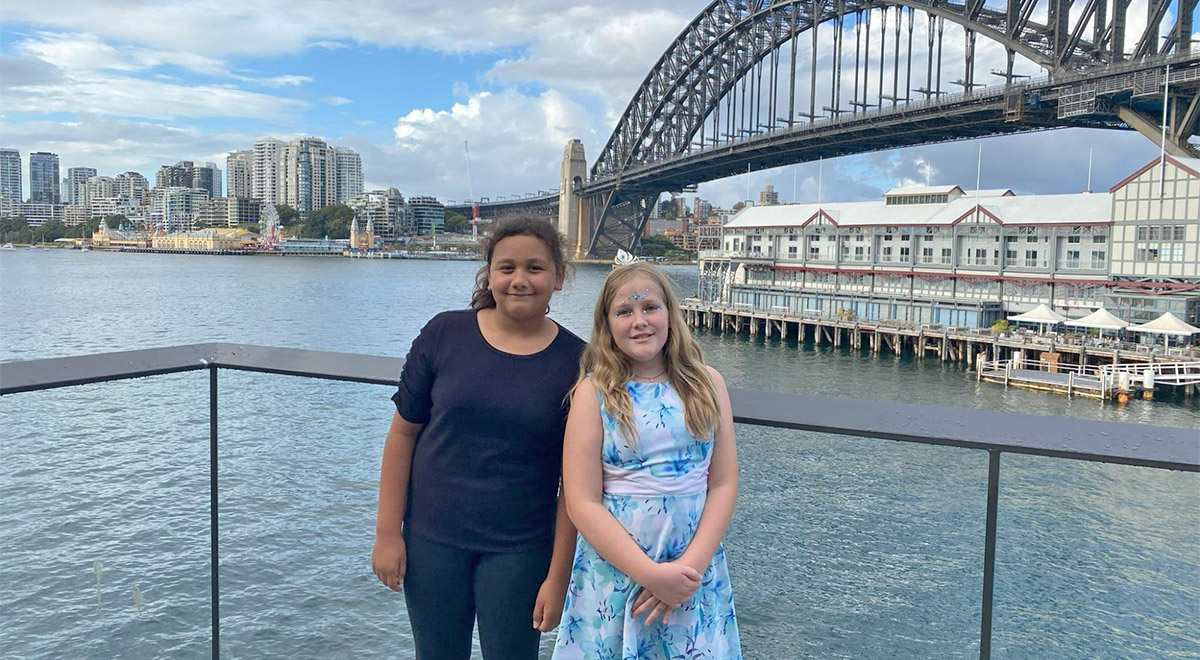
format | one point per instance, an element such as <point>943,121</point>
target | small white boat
<point>7,246</point>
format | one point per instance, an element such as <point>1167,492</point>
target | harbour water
<point>840,548</point>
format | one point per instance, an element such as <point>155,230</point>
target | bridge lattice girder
<point>724,43</point>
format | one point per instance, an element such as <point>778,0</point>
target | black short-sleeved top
<point>486,466</point>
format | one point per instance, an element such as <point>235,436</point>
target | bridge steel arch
<point>731,39</point>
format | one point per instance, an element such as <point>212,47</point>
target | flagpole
<point>1162,152</point>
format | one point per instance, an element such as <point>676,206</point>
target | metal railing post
<point>214,548</point>
<point>989,555</point>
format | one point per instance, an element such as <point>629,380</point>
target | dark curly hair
<point>516,225</point>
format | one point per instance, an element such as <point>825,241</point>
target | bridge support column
<point>574,214</point>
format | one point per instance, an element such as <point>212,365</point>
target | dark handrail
<point>1144,445</point>
<point>998,432</point>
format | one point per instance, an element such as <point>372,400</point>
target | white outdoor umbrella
<point>1042,315</point>
<point>1101,319</point>
<point>1166,325</point>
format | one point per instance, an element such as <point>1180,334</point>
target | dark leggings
<point>447,588</point>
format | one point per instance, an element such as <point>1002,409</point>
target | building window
<point>791,251</point>
<point>904,254</point>
<point>1179,232</point>
<point>1142,232</point>
<point>886,253</point>
<point>1031,258</point>
<point>1072,260</point>
<point>1031,239</point>
<point>1098,259</point>
<point>946,255</point>
<point>1099,239</point>
<point>887,237</point>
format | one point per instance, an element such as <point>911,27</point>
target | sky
<point>145,83</point>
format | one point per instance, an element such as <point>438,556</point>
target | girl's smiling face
<point>522,276</point>
<point>638,321</point>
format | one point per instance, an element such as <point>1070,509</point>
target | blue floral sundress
<point>597,623</point>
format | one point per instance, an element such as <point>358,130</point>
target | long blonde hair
<point>610,369</point>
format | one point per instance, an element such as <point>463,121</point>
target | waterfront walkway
<point>1081,365</point>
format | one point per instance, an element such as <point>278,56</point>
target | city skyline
<point>407,86</point>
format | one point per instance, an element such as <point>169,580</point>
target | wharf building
<point>945,255</point>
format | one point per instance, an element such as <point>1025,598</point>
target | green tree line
<point>17,230</point>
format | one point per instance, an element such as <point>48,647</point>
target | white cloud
<point>125,96</point>
<point>590,56</point>
<point>516,144</point>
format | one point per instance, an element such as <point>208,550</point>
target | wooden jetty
<point>1019,359</point>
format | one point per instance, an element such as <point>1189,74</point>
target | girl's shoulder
<point>715,375</point>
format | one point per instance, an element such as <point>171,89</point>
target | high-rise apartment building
<point>43,178</point>
<point>389,216</point>
<point>265,185</point>
<point>428,215</point>
<point>308,175</point>
<point>132,185</point>
<point>96,187</point>
<point>188,174</point>
<point>11,184</point>
<point>207,177</point>
<point>348,174</point>
<point>76,177</point>
<point>177,209</point>
<point>239,174</point>
<point>178,175</point>
<point>768,197</point>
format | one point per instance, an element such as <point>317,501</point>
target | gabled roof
<point>1189,165</point>
<point>1072,209</point>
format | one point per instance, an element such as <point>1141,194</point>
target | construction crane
<point>471,192</point>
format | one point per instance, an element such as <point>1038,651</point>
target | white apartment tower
<point>76,177</point>
<point>11,185</point>
<point>239,174</point>
<point>308,175</point>
<point>266,175</point>
<point>349,174</point>
<point>132,185</point>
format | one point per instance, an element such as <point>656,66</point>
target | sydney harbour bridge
<point>752,85</point>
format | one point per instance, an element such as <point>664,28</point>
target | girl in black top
<point>469,519</point>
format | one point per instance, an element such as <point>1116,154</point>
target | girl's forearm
<point>714,521</point>
<point>610,540</point>
<point>393,483</point>
<point>564,545</point>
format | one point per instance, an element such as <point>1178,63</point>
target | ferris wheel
<point>268,236</point>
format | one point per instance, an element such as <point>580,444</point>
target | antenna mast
<point>471,191</point>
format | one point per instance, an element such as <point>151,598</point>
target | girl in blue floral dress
<point>650,480</point>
